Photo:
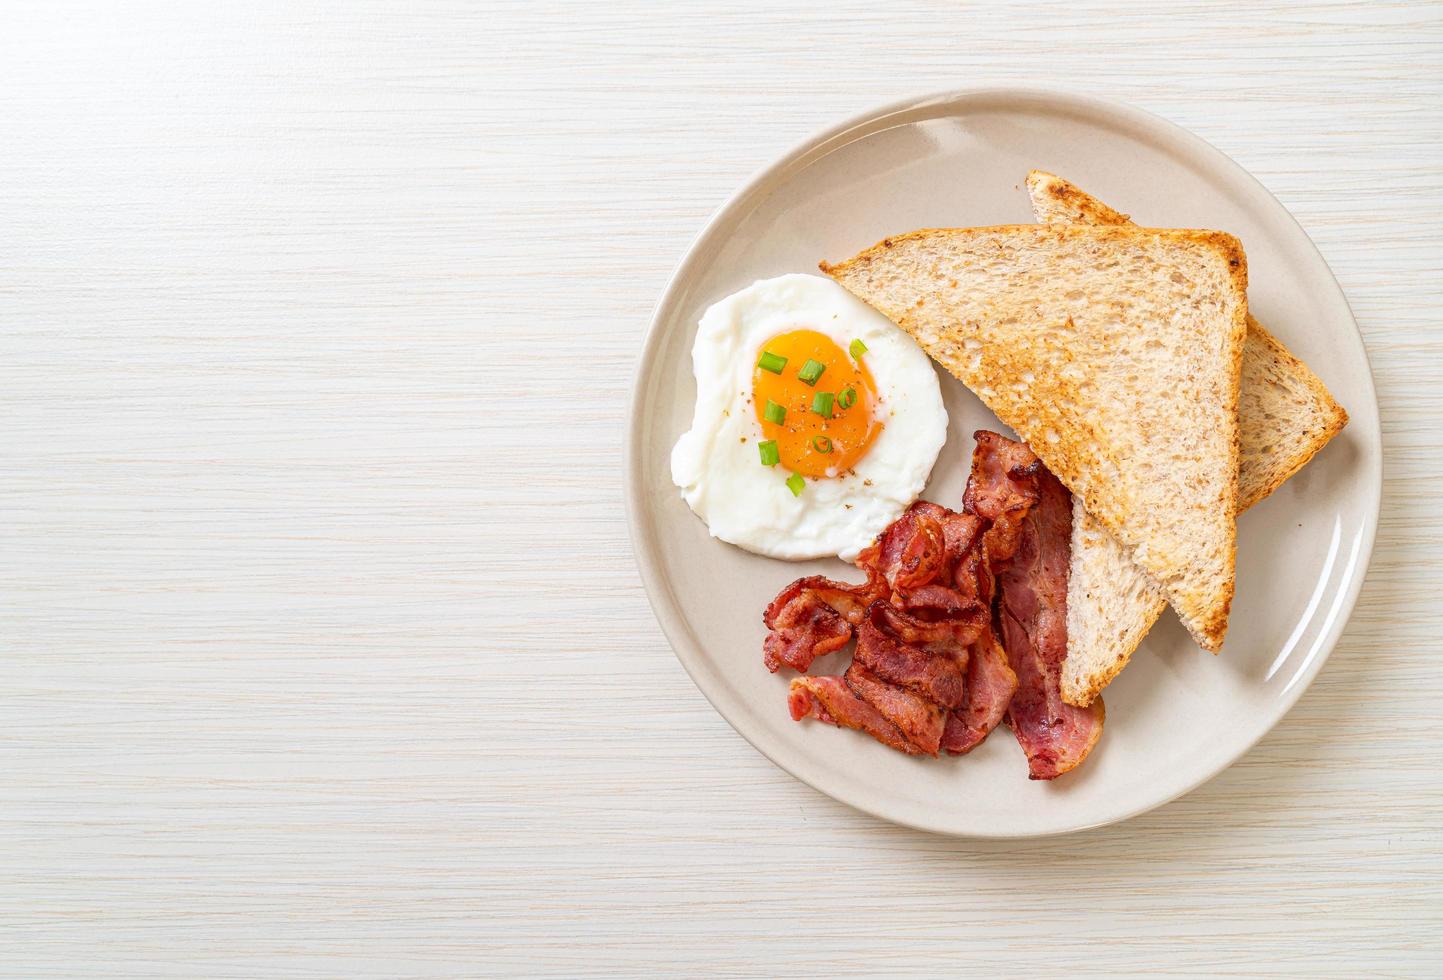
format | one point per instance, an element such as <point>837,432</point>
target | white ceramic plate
<point>1176,716</point>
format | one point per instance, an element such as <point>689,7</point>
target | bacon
<point>813,617</point>
<point>923,657</point>
<point>911,551</point>
<point>943,637</point>
<point>829,699</point>
<point>908,672</point>
<point>962,623</point>
<point>922,546</point>
<point>990,685</point>
<point>999,481</point>
<point>804,629</point>
<point>1002,488</point>
<point>973,576</point>
<point>961,531</point>
<point>921,721</point>
<point>1032,613</point>
<point>922,558</point>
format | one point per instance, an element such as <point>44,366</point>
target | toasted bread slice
<point>1285,415</point>
<point>1115,352</point>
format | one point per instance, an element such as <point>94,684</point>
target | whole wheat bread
<point>1115,352</point>
<point>1285,415</point>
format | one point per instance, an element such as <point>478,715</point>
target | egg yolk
<point>815,443</point>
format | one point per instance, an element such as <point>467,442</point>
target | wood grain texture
<point>325,653</point>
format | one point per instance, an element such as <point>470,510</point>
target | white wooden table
<point>324,653</point>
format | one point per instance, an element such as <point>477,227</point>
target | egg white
<point>716,463</point>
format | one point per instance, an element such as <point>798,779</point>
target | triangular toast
<point>1114,351</point>
<point>1285,415</point>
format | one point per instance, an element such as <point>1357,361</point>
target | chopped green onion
<point>771,362</point>
<point>796,485</point>
<point>822,403</point>
<point>847,397</point>
<point>768,449</point>
<point>857,350</point>
<point>821,444</point>
<point>811,371</point>
<point>774,413</point>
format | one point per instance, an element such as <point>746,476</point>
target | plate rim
<point>670,618</point>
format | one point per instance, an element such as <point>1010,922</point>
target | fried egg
<point>817,421</point>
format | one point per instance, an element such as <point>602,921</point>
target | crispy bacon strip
<point>921,545</point>
<point>961,531</point>
<point>812,617</point>
<point>920,556</point>
<point>914,548</point>
<point>1032,614</point>
<point>990,686</point>
<point>942,637</point>
<point>1000,480</point>
<point>829,699</point>
<point>923,657</point>
<point>920,720</point>
<point>1002,488</point>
